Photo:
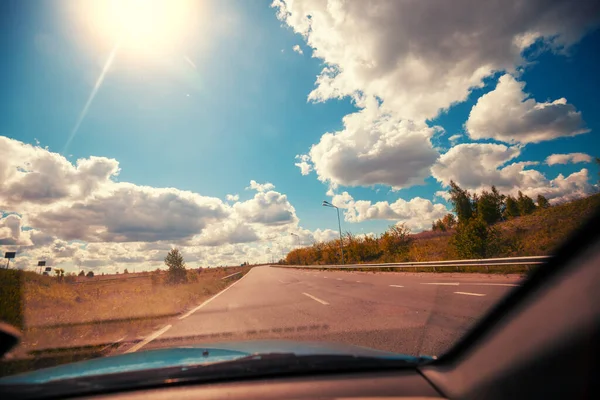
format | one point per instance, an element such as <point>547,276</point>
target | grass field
<point>84,319</point>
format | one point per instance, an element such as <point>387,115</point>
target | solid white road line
<point>470,294</point>
<point>187,314</point>
<point>442,283</point>
<point>396,286</point>
<point>149,339</point>
<point>315,298</point>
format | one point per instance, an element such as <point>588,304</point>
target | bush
<point>475,239</point>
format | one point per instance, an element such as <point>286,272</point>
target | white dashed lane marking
<point>470,294</point>
<point>316,298</point>
<point>442,283</point>
<point>396,286</point>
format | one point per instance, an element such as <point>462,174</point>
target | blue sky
<point>229,104</point>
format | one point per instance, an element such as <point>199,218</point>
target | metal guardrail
<point>483,262</point>
<point>229,276</point>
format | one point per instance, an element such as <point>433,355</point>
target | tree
<point>438,226</point>
<point>81,273</point>
<point>90,274</point>
<point>542,202</point>
<point>511,209</point>
<point>449,221</point>
<point>60,273</point>
<point>125,271</point>
<point>461,202</point>
<point>525,204</point>
<point>490,206</point>
<point>475,239</point>
<point>395,241</point>
<point>174,261</point>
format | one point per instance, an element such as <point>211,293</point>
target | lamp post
<point>328,204</point>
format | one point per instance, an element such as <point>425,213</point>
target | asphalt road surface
<point>413,313</point>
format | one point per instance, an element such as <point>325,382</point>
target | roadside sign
<point>8,255</point>
<point>41,263</point>
<point>48,269</point>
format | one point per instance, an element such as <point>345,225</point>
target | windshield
<point>283,177</point>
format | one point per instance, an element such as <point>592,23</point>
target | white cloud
<point>31,176</point>
<point>267,208</point>
<point>478,166</point>
<point>473,164</point>
<point>422,56</point>
<point>130,213</point>
<point>507,114</point>
<point>297,49</point>
<point>75,215</point>
<point>454,138</point>
<point>417,213</point>
<point>304,164</point>
<point>11,231</point>
<point>325,235</point>
<point>405,61</point>
<point>442,194</point>
<point>260,187</point>
<point>568,158</point>
<point>374,148</point>
<point>232,197</point>
<point>229,233</point>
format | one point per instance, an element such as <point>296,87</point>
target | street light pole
<point>328,204</point>
<point>297,242</point>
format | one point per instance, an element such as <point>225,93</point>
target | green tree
<point>525,204</point>
<point>542,202</point>
<point>461,202</point>
<point>490,206</point>
<point>125,271</point>
<point>176,273</point>
<point>81,273</point>
<point>475,239</point>
<point>511,209</point>
<point>90,274</point>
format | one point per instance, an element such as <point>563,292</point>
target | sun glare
<point>140,26</point>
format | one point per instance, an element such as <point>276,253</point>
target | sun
<point>139,26</point>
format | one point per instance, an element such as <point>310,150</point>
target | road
<point>413,313</point>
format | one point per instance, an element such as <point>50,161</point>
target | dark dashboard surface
<point>402,384</point>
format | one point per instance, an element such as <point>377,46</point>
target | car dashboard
<point>405,384</point>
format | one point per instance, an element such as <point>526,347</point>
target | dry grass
<point>539,233</point>
<point>61,314</point>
